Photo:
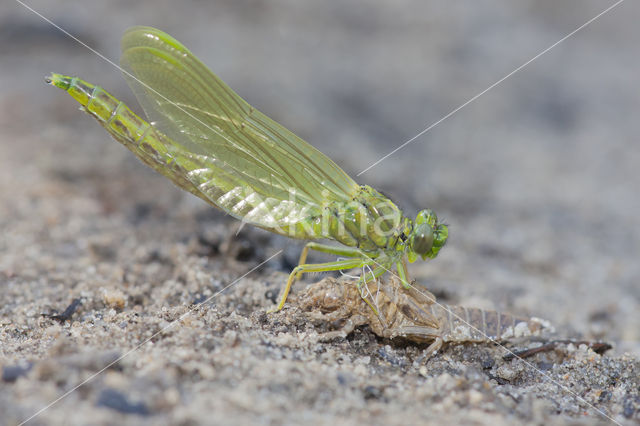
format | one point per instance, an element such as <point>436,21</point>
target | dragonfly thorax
<point>375,225</point>
<point>369,221</point>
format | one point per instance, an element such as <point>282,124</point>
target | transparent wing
<point>232,147</point>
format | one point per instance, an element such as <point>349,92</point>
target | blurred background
<point>538,178</point>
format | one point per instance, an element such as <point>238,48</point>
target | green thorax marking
<point>370,221</point>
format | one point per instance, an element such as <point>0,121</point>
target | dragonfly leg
<point>319,267</point>
<point>324,248</point>
<point>372,275</point>
<point>365,293</point>
<point>403,274</point>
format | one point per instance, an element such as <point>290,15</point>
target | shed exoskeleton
<point>392,311</point>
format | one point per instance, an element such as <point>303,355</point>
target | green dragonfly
<point>211,142</point>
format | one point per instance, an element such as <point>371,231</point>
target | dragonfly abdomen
<point>112,114</point>
<point>149,145</point>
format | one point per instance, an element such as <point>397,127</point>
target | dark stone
<point>116,400</point>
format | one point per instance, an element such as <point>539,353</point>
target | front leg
<point>365,293</point>
<point>403,273</point>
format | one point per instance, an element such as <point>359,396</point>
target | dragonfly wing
<point>227,190</point>
<point>233,150</point>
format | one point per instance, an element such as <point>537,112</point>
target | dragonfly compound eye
<point>421,239</point>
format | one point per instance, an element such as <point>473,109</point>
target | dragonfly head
<point>427,236</point>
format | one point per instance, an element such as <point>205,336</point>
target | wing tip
<point>141,35</point>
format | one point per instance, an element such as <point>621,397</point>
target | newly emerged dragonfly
<point>210,142</point>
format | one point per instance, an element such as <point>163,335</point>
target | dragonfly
<point>210,142</point>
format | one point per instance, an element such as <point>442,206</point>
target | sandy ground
<point>537,179</point>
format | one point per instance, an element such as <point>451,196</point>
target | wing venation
<point>241,160</point>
